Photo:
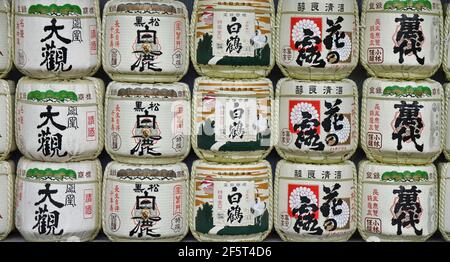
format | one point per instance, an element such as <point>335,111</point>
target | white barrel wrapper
<point>402,39</point>
<point>148,123</point>
<point>397,203</point>
<point>317,39</point>
<point>7,197</point>
<point>232,202</point>
<point>315,202</point>
<point>234,38</point>
<point>146,41</point>
<point>402,121</point>
<point>60,120</point>
<point>232,119</point>
<point>146,203</point>
<point>6,40</point>
<point>57,38</point>
<point>317,122</point>
<point>58,202</point>
<point>7,141</point>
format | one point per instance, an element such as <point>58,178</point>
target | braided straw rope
<point>367,236</point>
<point>398,71</point>
<point>337,72</point>
<point>142,77</point>
<point>230,71</point>
<point>259,237</point>
<point>304,237</point>
<point>63,75</point>
<point>9,199</point>
<point>399,157</point>
<point>9,38</point>
<point>443,216</point>
<point>9,88</point>
<point>445,122</point>
<point>113,237</point>
<point>308,156</point>
<point>446,44</point>
<point>228,156</point>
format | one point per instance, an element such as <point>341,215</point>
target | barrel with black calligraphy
<point>7,170</point>
<point>60,120</point>
<point>444,200</point>
<point>316,122</point>
<point>7,141</point>
<point>232,119</point>
<point>58,202</point>
<point>397,202</point>
<point>231,202</point>
<point>146,41</point>
<point>6,41</point>
<point>402,39</point>
<point>315,202</point>
<point>317,39</point>
<point>148,123</point>
<point>402,121</point>
<point>57,38</point>
<point>145,202</point>
<point>234,38</point>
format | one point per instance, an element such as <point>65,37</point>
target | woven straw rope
<point>9,38</point>
<point>442,195</point>
<point>446,44</point>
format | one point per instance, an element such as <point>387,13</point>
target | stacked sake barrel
<point>316,112</point>
<point>402,119</point>
<point>7,144</point>
<point>58,119</point>
<point>232,111</point>
<point>148,120</point>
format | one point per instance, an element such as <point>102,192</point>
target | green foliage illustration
<point>407,91</point>
<point>61,96</point>
<point>406,176</point>
<point>60,174</point>
<point>408,5</point>
<point>53,9</point>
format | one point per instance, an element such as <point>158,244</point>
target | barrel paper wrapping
<point>60,121</point>
<point>233,39</point>
<point>7,141</point>
<point>6,39</point>
<point>231,202</point>
<point>146,203</point>
<point>148,123</point>
<point>444,200</point>
<point>7,197</point>
<point>146,41</point>
<point>317,39</point>
<point>232,119</point>
<point>401,121</point>
<point>315,202</point>
<point>402,39</point>
<point>58,202</point>
<point>317,122</point>
<point>397,203</point>
<point>57,38</point>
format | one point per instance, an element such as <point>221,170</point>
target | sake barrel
<point>446,129</point>
<point>232,202</point>
<point>148,123</point>
<point>317,40</point>
<point>402,39</point>
<point>315,202</point>
<point>57,39</point>
<point>233,39</point>
<point>444,200</point>
<point>6,40</point>
<point>58,202</point>
<point>316,122</point>
<point>146,41</point>
<point>401,121</point>
<point>232,119</point>
<point>7,196</point>
<point>60,120</point>
<point>7,142</point>
<point>397,202</point>
<point>145,203</point>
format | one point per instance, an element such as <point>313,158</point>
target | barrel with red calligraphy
<point>60,120</point>
<point>402,39</point>
<point>146,202</point>
<point>57,38</point>
<point>317,39</point>
<point>146,41</point>
<point>7,170</point>
<point>397,202</point>
<point>6,41</point>
<point>7,141</point>
<point>58,202</point>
